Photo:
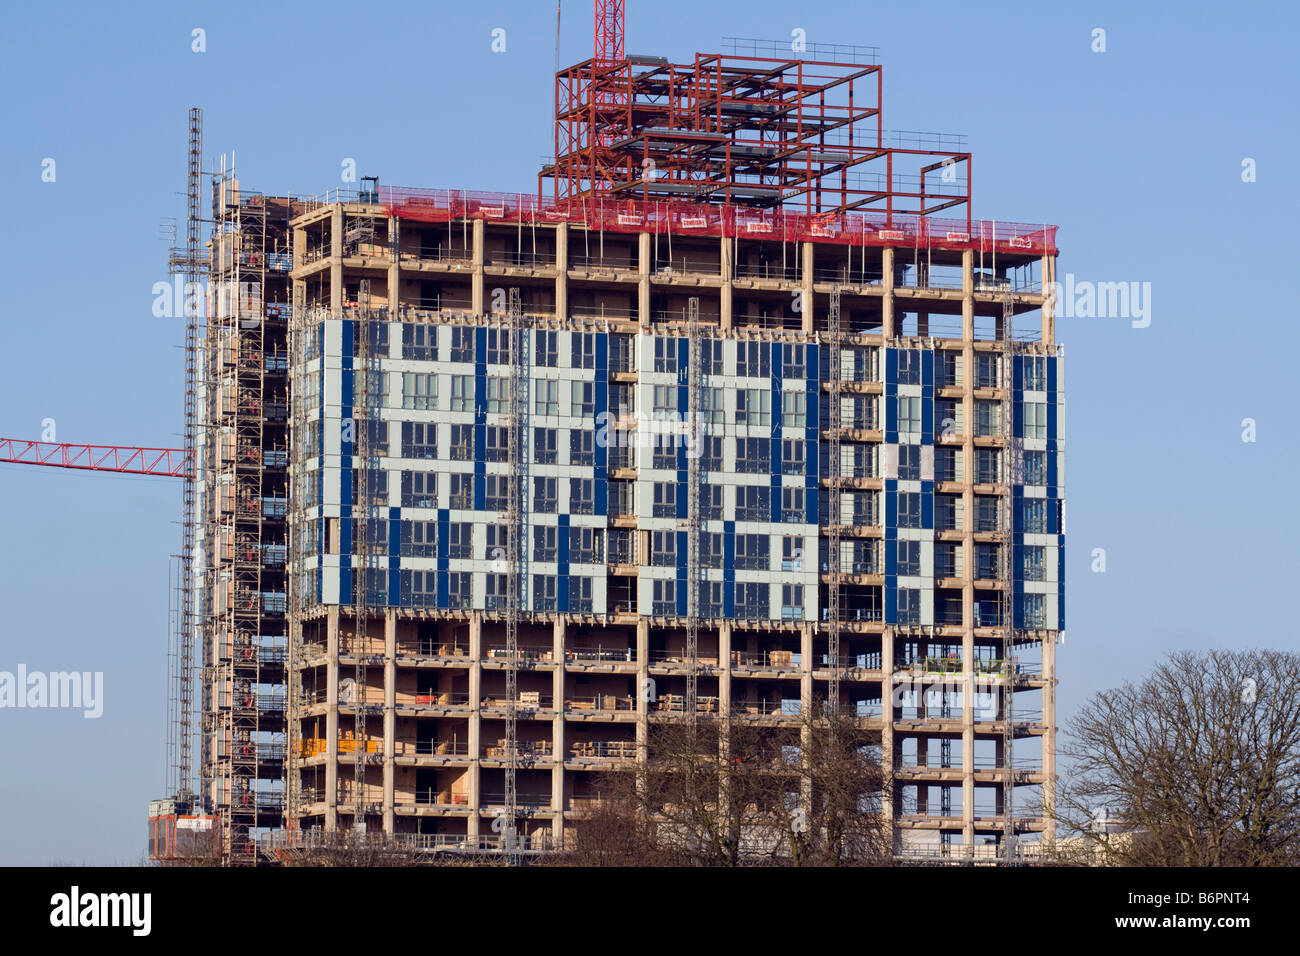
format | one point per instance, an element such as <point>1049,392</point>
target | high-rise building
<point>724,420</point>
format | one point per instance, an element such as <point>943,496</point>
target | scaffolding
<point>834,343</point>
<point>1011,475</point>
<point>517,553</point>
<point>694,390</point>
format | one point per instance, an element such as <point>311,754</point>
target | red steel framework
<point>756,131</point>
<point>167,462</point>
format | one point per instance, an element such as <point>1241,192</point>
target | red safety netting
<point>707,219</point>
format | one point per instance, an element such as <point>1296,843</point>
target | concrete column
<point>332,718</point>
<point>1049,738</point>
<point>724,672</point>
<point>562,270</point>
<point>643,686</point>
<point>476,289</point>
<point>887,300</point>
<point>806,705</point>
<point>643,279</point>
<point>394,263</point>
<point>390,716</point>
<point>475,726</point>
<point>724,312</point>
<point>968,546</point>
<point>1049,307</point>
<point>807,285</point>
<point>559,746</point>
<point>887,743</point>
<point>336,259</point>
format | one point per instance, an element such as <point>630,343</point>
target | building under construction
<point>739,413</point>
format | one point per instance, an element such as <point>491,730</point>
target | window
<point>794,409</point>
<point>582,447</point>
<point>419,539</point>
<point>752,600</point>
<point>791,601</point>
<point>909,414</point>
<point>460,539</point>
<point>419,440</point>
<point>547,396</point>
<point>1034,372</point>
<point>419,390</point>
<point>909,462</point>
<point>909,557</point>
<point>711,357</point>
<point>710,549</point>
<point>584,350</point>
<point>544,495</point>
<point>1034,515</point>
<point>909,367</point>
<point>752,552</point>
<point>580,595</point>
<point>544,543</point>
<point>792,361</point>
<point>711,599</point>
<point>581,496</point>
<point>544,446</point>
<point>462,491</point>
<point>585,546</point>
<point>544,592</point>
<point>420,342</point>
<point>752,456</point>
<point>498,586</point>
<point>947,513</point>
<point>793,460</point>
<point>665,355</point>
<point>711,502</point>
<point>947,464</point>
<point>988,417</point>
<point>1035,468</point>
<point>792,504</point>
<point>1034,610</point>
<point>986,513</point>
<point>419,588</point>
<point>986,370</point>
<point>947,368</point>
<point>714,411</point>
<point>665,451</point>
<point>988,564</point>
<point>462,344</point>
<point>419,489</point>
<point>664,598</point>
<point>583,399</point>
<point>496,492</point>
<point>753,503</point>
<point>947,560</point>
<point>909,510</point>
<point>498,443</point>
<point>498,346</point>
<point>791,554</point>
<point>753,406</point>
<point>498,544</point>
<point>459,592</point>
<point>987,466</point>
<point>665,500</point>
<point>909,606</point>
<point>462,393</point>
<point>711,453</point>
<point>462,442</point>
<point>665,401</point>
<point>663,549</point>
<point>1035,414</point>
<point>544,353</point>
<point>498,395</point>
<point>752,359</point>
<point>1033,563</point>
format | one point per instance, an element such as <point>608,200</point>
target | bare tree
<point>737,792</point>
<point>1197,765</point>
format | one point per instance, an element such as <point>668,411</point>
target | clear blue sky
<point>1136,153</point>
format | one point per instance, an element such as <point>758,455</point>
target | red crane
<point>610,30</point>
<point>167,462</point>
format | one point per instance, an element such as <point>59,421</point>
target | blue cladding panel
<point>562,564</point>
<point>729,569</point>
<point>444,563</point>
<point>394,552</point>
<point>681,573</point>
<point>812,447</point>
<point>480,416</point>
<point>600,486</point>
